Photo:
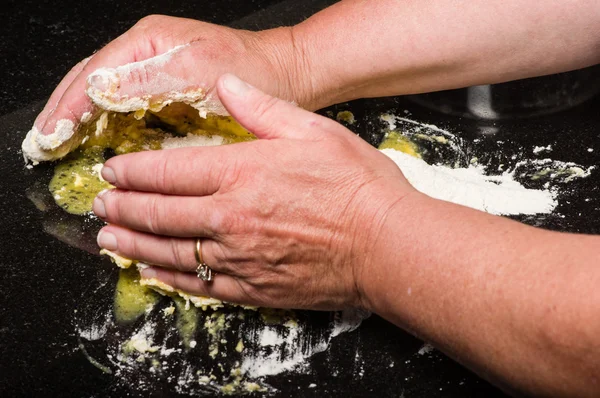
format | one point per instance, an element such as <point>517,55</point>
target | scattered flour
<point>191,140</point>
<point>538,149</point>
<point>95,331</point>
<point>391,120</point>
<point>288,349</point>
<point>427,348</point>
<point>152,350</point>
<point>471,187</point>
<point>548,169</point>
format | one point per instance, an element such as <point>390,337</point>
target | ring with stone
<point>203,271</point>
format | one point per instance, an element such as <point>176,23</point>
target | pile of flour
<point>500,195</point>
<point>468,186</point>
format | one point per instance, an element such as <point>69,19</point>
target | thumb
<point>150,83</point>
<point>265,116</point>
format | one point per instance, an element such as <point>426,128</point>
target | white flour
<point>281,351</point>
<point>263,349</point>
<point>392,119</point>
<point>160,90</point>
<point>286,350</point>
<point>191,140</point>
<point>471,187</point>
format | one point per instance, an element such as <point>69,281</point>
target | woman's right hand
<point>266,59</point>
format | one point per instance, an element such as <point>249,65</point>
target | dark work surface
<point>48,259</point>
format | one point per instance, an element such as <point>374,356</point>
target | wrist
<point>278,56</point>
<point>393,250</point>
<point>377,256</point>
<point>294,66</point>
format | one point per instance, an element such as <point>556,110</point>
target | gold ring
<point>203,271</point>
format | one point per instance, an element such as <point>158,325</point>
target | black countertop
<point>49,260</point>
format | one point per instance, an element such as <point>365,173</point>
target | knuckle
<point>168,167</point>
<point>152,214</point>
<point>112,205</point>
<point>224,223</point>
<point>252,293</point>
<point>67,110</point>
<point>230,171</point>
<point>233,223</point>
<point>133,247</point>
<point>315,122</point>
<point>319,124</point>
<point>177,258</point>
<point>178,280</point>
<point>218,220</point>
<point>161,181</point>
<point>150,21</point>
<point>138,75</point>
<point>264,107</point>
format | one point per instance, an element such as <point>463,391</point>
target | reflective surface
<point>53,279</point>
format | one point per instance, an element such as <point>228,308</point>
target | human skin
<point>331,223</point>
<point>516,304</point>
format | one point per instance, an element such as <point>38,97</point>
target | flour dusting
<point>471,187</point>
<point>283,350</point>
<point>160,90</point>
<point>525,187</point>
<point>191,140</point>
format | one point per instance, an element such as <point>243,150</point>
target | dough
<point>81,153</point>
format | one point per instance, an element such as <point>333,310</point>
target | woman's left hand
<point>288,221</point>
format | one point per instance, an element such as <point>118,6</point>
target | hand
<point>263,58</point>
<point>289,220</point>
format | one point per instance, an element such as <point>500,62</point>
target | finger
<point>194,171</point>
<point>73,103</point>
<point>178,216</point>
<point>58,93</point>
<point>222,287</point>
<point>176,253</point>
<point>149,83</point>
<point>269,117</point>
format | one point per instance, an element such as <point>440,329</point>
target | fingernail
<point>107,240</point>
<point>109,175</point>
<point>42,125</point>
<point>39,123</point>
<point>98,207</point>
<point>148,273</point>
<point>235,85</point>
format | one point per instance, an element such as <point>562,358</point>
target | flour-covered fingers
<point>178,216</point>
<point>223,287</point>
<point>58,93</point>
<point>139,43</point>
<point>73,103</point>
<point>166,77</point>
<point>194,171</point>
<point>175,253</point>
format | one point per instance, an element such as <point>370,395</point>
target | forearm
<point>357,49</point>
<point>516,304</point>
